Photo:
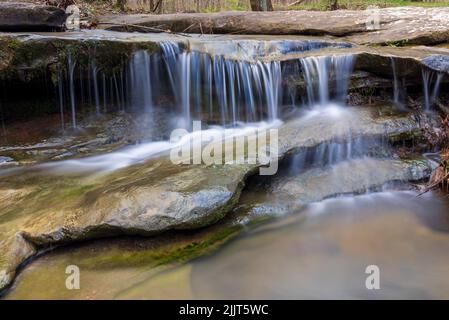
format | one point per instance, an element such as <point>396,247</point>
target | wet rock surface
<point>439,63</point>
<point>351,177</point>
<point>19,16</point>
<point>46,201</point>
<point>151,197</point>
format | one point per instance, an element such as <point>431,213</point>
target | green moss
<point>12,43</point>
<point>400,43</point>
<point>178,252</point>
<point>405,136</point>
<point>32,58</point>
<point>76,192</point>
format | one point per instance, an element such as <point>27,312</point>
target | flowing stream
<point>340,201</point>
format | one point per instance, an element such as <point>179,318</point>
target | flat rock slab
<point>24,56</point>
<point>349,177</point>
<point>40,208</point>
<point>18,17</point>
<point>402,25</point>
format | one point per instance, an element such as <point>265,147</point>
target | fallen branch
<point>189,27</point>
<point>153,29</point>
<point>442,107</point>
<point>434,185</point>
<point>295,3</point>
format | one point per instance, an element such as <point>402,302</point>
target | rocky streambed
<point>86,152</point>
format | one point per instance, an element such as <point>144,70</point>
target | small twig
<point>233,32</point>
<point>134,26</point>
<point>295,3</point>
<point>189,27</point>
<point>159,30</point>
<point>434,185</point>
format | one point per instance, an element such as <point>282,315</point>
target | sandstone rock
<point>401,25</point>
<point>350,177</point>
<point>19,17</point>
<point>151,197</point>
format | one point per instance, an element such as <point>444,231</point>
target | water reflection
<point>322,252</point>
<point>325,254</point>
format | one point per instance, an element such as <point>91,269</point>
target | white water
<point>71,69</point>
<point>320,73</point>
<point>395,83</point>
<point>141,152</point>
<point>430,93</point>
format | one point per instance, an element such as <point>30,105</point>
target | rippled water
<point>321,252</point>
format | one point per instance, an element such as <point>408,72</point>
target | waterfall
<point>395,83</point>
<point>271,74</point>
<point>436,88</point>
<point>325,74</point>
<point>170,53</point>
<point>199,86</point>
<point>140,82</point>
<point>96,94</point>
<point>329,153</point>
<point>430,94</point>
<point>61,98</point>
<point>184,76</point>
<point>105,103</point>
<point>236,88</point>
<point>71,68</point>
<point>426,80</point>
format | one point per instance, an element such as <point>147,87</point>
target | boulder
<point>17,17</point>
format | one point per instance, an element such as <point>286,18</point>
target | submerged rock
<point>19,16</point>
<point>349,177</point>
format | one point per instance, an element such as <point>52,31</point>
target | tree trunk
<point>157,8</point>
<point>261,5</point>
<point>333,5</point>
<point>121,4</point>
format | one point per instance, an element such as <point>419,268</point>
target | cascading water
<point>199,86</point>
<point>71,69</point>
<point>61,99</point>
<point>326,81</point>
<point>335,147</point>
<point>140,82</point>
<point>96,94</point>
<point>331,153</point>
<point>430,94</point>
<point>395,83</point>
<point>426,80</point>
<point>325,74</point>
<point>436,88</point>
